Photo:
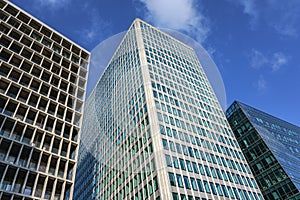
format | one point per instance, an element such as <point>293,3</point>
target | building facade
<point>271,147</point>
<point>153,128</point>
<point>42,88</point>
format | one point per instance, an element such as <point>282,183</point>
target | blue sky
<point>254,43</point>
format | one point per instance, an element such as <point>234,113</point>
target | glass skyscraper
<point>42,89</point>
<point>153,128</point>
<point>271,147</point>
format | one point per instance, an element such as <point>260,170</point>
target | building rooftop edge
<point>241,104</point>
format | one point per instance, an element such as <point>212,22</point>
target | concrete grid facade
<point>153,128</point>
<point>42,89</point>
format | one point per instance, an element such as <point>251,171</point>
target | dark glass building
<point>271,147</point>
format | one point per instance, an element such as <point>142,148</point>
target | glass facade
<point>42,88</point>
<point>271,147</point>
<point>153,128</point>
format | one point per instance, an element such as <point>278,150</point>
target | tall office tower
<point>42,88</point>
<point>153,128</point>
<point>271,147</point>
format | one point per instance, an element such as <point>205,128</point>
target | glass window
<point>241,194</point>
<point>201,169</point>
<point>175,162</point>
<point>186,182</point>
<point>175,133</point>
<point>179,180</point>
<point>186,136</point>
<point>175,196</point>
<point>195,168</point>
<point>213,173</point>
<point>169,132</point>
<point>184,149</point>
<point>200,186</point>
<point>155,185</point>
<point>246,194</point>
<point>172,179</point>
<point>208,157</point>
<point>219,174</point>
<point>182,197</point>
<point>166,119</point>
<point>168,160</point>
<point>191,151</point>
<point>207,170</point>
<point>194,185</point>
<point>234,178</point>
<point>192,139</point>
<point>213,189</point>
<point>206,186</point>
<point>220,193</point>
<point>162,130</point>
<point>178,148</point>
<point>225,191</point>
<point>228,175</point>
<point>189,166</point>
<point>197,154</point>
<point>182,164</point>
<point>165,144</point>
<point>172,146</point>
<point>237,196</point>
<point>230,192</point>
<point>198,141</point>
<point>213,158</point>
<point>180,136</point>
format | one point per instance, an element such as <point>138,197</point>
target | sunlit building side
<point>154,129</point>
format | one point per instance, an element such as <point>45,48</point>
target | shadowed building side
<point>42,90</point>
<point>271,147</point>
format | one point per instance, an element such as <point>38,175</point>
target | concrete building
<point>271,147</point>
<point>42,89</point>
<point>154,129</point>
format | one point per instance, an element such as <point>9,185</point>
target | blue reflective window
<point>179,180</point>
<point>186,182</point>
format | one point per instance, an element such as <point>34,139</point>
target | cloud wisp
<point>261,84</point>
<point>261,62</point>
<point>53,3</point>
<point>181,15</point>
<point>96,26</point>
<point>281,17</point>
<point>249,8</point>
<point>257,59</point>
<point>278,60</point>
<point>274,62</point>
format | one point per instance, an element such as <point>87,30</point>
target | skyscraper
<point>42,88</point>
<point>153,128</point>
<point>271,147</point>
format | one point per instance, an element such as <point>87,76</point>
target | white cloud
<point>274,61</point>
<point>181,15</point>
<point>286,17</point>
<point>278,60</point>
<point>261,84</point>
<point>53,3</point>
<point>257,59</point>
<point>95,27</point>
<point>282,17</point>
<point>94,30</point>
<point>249,8</point>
